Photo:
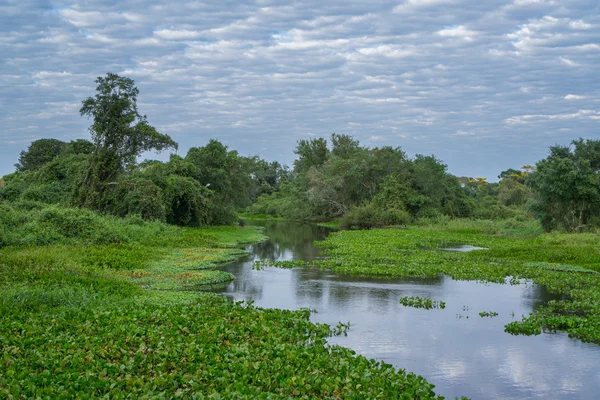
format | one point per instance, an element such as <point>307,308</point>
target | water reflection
<point>456,349</point>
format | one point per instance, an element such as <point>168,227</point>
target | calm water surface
<point>454,348</point>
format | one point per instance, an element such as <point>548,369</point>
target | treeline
<point>368,187</point>
<point>335,179</point>
<point>205,187</point>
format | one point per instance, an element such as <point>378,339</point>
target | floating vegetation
<point>566,265</point>
<point>489,314</point>
<point>560,267</point>
<point>421,302</point>
<point>75,321</point>
<point>288,264</point>
<point>341,329</point>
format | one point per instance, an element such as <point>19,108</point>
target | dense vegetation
<point>75,320</point>
<point>366,187</point>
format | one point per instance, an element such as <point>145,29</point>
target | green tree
<point>311,153</point>
<point>80,146</point>
<point>40,152</point>
<point>567,186</point>
<point>119,134</point>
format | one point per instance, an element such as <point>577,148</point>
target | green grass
<point>565,264</point>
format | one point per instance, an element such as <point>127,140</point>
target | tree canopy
<point>567,186</point>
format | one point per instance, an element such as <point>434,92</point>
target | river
<point>454,348</point>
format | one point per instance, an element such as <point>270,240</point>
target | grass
<point>565,264</point>
<point>83,316</point>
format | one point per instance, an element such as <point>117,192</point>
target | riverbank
<point>82,317</point>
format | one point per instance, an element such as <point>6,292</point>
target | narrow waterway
<point>460,352</point>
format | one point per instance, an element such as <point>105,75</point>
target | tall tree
<point>119,133</point>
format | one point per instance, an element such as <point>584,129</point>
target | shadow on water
<point>456,349</point>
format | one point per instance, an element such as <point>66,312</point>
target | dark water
<point>454,348</point>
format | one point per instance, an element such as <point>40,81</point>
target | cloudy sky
<point>483,85</point>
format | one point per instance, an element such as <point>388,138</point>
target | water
<point>454,348</point>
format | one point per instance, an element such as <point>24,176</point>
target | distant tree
<point>311,153</point>
<point>40,152</point>
<point>567,186</point>
<point>80,146</point>
<point>119,134</point>
<point>508,173</point>
<point>344,146</point>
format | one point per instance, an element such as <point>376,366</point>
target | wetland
<point>462,349</point>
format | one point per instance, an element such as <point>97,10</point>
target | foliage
<point>490,314</point>
<point>567,186</point>
<point>369,216</point>
<point>370,187</point>
<point>39,153</point>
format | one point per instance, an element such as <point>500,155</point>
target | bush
<point>369,216</point>
<point>140,196</point>
<point>186,201</point>
<point>49,193</point>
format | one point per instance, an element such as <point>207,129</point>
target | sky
<point>483,85</point>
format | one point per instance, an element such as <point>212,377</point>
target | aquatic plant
<point>566,265</point>
<point>421,302</point>
<point>75,321</point>
<point>490,314</point>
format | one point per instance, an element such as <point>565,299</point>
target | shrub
<point>49,193</point>
<point>369,216</point>
<point>142,197</point>
<point>186,201</point>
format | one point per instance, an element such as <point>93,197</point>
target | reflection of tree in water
<point>538,296</point>
<point>289,241</point>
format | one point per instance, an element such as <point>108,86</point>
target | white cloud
<point>581,114</point>
<point>459,31</point>
<point>174,34</point>
<point>568,62</point>
<point>574,97</point>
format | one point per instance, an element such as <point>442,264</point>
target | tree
<point>311,153</point>
<point>40,152</point>
<point>119,134</point>
<point>222,171</point>
<point>80,146</point>
<point>567,186</point>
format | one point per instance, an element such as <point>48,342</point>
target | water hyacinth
<point>566,265</point>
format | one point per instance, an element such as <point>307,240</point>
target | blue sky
<point>482,85</point>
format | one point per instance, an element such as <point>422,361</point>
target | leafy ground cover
<point>565,264</point>
<point>84,317</point>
